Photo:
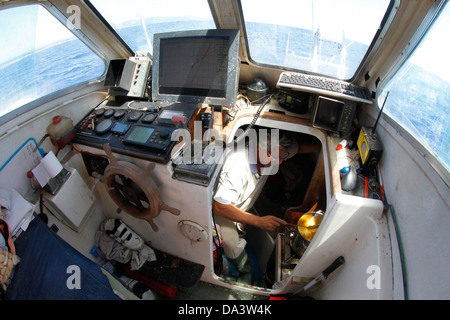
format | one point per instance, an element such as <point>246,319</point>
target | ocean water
<point>63,65</point>
<point>46,71</point>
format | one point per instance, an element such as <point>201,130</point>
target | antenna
<point>379,114</point>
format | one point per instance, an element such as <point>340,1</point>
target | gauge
<point>363,151</point>
<point>135,115</point>
<point>119,114</point>
<point>104,126</point>
<point>149,118</point>
<point>99,112</point>
<point>109,113</point>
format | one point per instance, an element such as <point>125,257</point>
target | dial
<point>164,133</point>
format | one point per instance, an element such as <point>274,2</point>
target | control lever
<point>324,275</point>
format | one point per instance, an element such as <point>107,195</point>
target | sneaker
<point>120,232</point>
<point>138,288</point>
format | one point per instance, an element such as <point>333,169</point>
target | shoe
<point>138,288</point>
<point>120,232</point>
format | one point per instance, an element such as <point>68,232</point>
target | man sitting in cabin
<point>240,183</point>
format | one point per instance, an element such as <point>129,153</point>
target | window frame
<point>416,144</point>
<point>62,92</point>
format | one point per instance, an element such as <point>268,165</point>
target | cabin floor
<point>207,291</point>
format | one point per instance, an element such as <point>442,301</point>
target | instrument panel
<point>137,128</point>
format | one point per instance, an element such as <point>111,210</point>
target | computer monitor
<point>200,66</point>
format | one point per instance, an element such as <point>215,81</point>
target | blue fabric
<point>43,273</point>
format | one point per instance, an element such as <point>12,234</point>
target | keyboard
<point>322,85</point>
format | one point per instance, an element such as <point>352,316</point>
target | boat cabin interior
<point>117,119</point>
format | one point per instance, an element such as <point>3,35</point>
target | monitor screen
<point>139,134</point>
<point>328,113</point>
<point>196,67</point>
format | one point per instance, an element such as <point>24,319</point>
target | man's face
<point>282,155</point>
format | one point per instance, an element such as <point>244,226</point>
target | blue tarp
<point>51,269</point>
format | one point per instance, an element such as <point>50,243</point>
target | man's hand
<point>230,212</point>
<point>269,223</point>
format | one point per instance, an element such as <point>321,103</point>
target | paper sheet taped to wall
<point>48,168</point>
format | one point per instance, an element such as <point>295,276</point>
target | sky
<point>434,56</point>
<point>133,9</point>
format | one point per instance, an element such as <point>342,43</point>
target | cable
<point>255,118</point>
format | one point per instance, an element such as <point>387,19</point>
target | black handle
<point>336,264</point>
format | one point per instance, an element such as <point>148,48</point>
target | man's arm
<point>230,212</point>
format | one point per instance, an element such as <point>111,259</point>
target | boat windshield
<point>136,21</point>
<point>40,56</point>
<point>326,37</point>
<point>418,94</point>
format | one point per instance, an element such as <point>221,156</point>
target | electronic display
<point>333,115</point>
<point>196,66</point>
<point>328,113</point>
<point>139,135</point>
<point>202,72</point>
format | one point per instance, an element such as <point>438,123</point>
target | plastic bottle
<point>348,178</point>
<point>59,125</point>
<point>61,131</point>
<point>341,145</point>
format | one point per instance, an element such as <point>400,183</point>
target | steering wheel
<point>131,188</point>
